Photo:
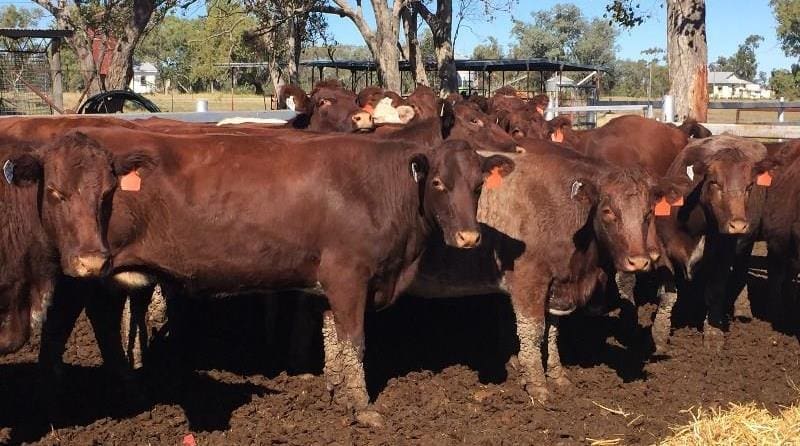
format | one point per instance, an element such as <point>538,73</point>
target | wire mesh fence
<point>20,73</point>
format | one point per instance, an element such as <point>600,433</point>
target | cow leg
<point>528,297</point>
<point>104,310</point>
<point>716,323</point>
<point>737,283</point>
<point>135,332</point>
<point>779,282</point>
<point>555,371</point>
<point>343,340</point>
<point>662,324</point>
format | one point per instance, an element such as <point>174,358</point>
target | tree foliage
<point>563,33</point>
<point>743,62</point>
<point>787,13</point>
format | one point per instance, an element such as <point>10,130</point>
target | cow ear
<point>406,113</point>
<point>672,190</point>
<point>128,162</point>
<point>503,164</point>
<point>418,166</point>
<point>764,170</point>
<point>23,170</point>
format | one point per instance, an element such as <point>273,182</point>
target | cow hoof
<point>713,338</point>
<point>370,418</point>
<point>538,392</point>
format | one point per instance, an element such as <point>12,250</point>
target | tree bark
<point>441,25</point>
<point>382,42</point>
<point>411,26</point>
<point>687,54</point>
<point>120,68</point>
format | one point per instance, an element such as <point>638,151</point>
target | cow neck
<point>411,196</point>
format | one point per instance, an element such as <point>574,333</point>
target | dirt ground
<point>437,371</point>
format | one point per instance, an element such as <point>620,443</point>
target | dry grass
<point>739,425</point>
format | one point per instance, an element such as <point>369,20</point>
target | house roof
<point>145,67</point>
<point>725,77</point>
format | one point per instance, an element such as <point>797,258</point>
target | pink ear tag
<point>131,181</point>
<point>765,179</point>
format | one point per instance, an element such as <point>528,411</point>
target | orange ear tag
<point>131,181</point>
<point>678,202</point>
<point>557,136</point>
<point>494,180</point>
<point>765,179</point>
<point>368,108</point>
<point>662,208</point>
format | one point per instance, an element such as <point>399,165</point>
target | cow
<point>709,237</point>
<point>350,218</point>
<point>549,234</point>
<point>781,230</point>
<point>630,140</point>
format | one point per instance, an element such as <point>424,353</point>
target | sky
<point>728,23</point>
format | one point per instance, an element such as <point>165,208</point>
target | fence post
<point>668,109</point>
<point>781,111</point>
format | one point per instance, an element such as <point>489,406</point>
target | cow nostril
<point>467,239</point>
<point>638,263</point>
<point>738,226</point>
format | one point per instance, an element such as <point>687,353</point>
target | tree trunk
<point>294,48</point>
<point>411,25</point>
<point>687,54</point>
<point>441,25</point>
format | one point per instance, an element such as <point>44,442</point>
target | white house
<point>725,85</point>
<point>144,78</point>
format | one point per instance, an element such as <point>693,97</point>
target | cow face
<point>481,131</point>
<point>729,178</point>
<point>336,110</point>
<point>450,184</point>
<point>522,124</point>
<point>623,217</point>
<point>76,180</point>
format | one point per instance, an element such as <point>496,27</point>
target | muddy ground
<point>436,369</point>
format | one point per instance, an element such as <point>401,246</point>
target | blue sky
<point>728,23</point>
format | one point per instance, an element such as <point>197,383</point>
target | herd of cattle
<point>365,197</point>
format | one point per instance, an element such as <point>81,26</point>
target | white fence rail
<point>763,131</point>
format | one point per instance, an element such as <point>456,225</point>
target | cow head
<point>526,124</point>
<point>450,181</point>
<point>727,179</point>
<point>424,102</point>
<point>336,110</point>
<point>480,130</point>
<point>623,210</point>
<point>76,180</point>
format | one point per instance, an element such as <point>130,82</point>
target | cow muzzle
<point>467,239</point>
<point>362,121</point>
<point>87,265</point>
<point>737,226</point>
<point>636,263</point>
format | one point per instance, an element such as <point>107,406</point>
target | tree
<point>168,47</point>
<point>743,62</point>
<point>563,33</point>
<point>285,28</point>
<point>785,83</point>
<point>489,50</point>
<point>687,54</point>
<point>787,13</point>
<point>113,29</point>
<point>13,17</point>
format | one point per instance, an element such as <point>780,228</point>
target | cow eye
<point>476,121</point>
<point>437,183</point>
<point>749,187</point>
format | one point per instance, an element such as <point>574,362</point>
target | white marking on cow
<point>576,186</point>
<point>132,279</point>
<point>690,172</point>
<point>384,113</point>
<point>695,256</point>
<point>290,103</point>
<point>555,312</point>
<point>39,316</point>
<point>246,120</point>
